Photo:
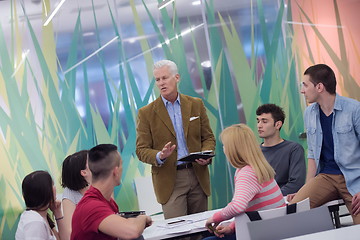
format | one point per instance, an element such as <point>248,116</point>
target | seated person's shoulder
<point>92,204</point>
<point>294,145</point>
<point>32,224</point>
<point>348,105</point>
<point>247,170</point>
<point>92,211</point>
<point>32,218</point>
<point>350,102</point>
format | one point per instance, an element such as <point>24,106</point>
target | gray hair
<point>172,66</point>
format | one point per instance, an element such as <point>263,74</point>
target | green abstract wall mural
<point>64,91</point>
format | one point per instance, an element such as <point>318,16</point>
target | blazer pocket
<point>194,118</point>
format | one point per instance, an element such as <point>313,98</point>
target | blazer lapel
<point>161,111</point>
<point>185,113</point>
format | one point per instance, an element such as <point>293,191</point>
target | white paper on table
<point>179,229</point>
<point>165,229</point>
<point>190,223</point>
<point>199,224</point>
<point>199,216</point>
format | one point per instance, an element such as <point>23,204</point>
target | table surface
<point>195,223</point>
<point>344,233</point>
<point>184,225</point>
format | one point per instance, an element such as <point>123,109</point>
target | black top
<point>288,160</point>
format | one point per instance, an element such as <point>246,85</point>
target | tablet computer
<point>196,155</point>
<point>131,214</point>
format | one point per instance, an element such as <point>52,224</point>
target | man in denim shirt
<point>333,135</point>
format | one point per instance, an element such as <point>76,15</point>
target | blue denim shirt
<point>346,135</point>
<point>174,111</point>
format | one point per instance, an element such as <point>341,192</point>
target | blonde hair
<point>241,149</point>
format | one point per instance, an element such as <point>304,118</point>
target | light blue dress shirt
<point>346,136</point>
<point>174,111</point>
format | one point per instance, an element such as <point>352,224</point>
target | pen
<point>176,221</point>
<point>155,214</point>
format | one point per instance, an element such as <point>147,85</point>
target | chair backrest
<point>146,196</point>
<point>292,225</point>
<point>242,220</point>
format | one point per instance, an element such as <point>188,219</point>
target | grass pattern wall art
<point>233,58</point>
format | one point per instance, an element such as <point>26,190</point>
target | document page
<point>178,226</point>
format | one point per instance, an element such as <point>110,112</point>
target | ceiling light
<point>206,64</point>
<point>87,34</point>
<point>53,13</point>
<point>195,3</point>
<point>164,3</point>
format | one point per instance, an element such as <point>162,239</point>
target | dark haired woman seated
<point>40,195</point>
<point>75,179</point>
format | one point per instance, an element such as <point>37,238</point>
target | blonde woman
<point>255,187</point>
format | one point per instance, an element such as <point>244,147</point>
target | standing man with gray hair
<point>168,129</point>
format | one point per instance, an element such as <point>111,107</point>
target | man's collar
<point>165,101</point>
<point>337,104</point>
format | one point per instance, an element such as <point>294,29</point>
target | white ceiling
<point>66,17</point>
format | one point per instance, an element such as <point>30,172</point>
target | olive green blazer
<point>155,129</point>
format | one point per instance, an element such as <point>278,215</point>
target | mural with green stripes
<point>51,107</point>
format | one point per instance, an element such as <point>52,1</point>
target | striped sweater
<point>249,195</point>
